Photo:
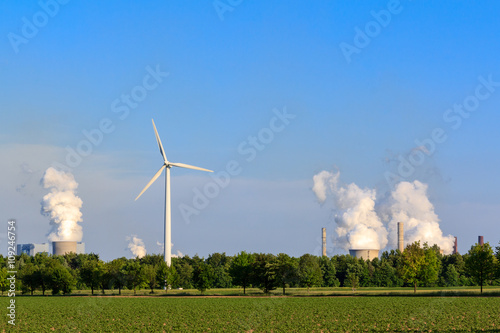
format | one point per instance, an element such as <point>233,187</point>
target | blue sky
<point>225,78</point>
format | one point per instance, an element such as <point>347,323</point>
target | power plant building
<point>32,248</point>
<point>365,254</point>
<point>401,237</point>
<point>323,241</point>
<point>60,248</point>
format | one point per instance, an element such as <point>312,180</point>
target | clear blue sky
<point>227,72</point>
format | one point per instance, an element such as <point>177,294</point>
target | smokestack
<point>455,246</point>
<point>323,236</point>
<point>62,247</point>
<point>401,236</point>
<point>480,240</point>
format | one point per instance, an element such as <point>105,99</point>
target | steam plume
<point>136,246</point>
<point>62,206</point>
<point>358,225</point>
<point>179,254</point>
<point>359,222</point>
<point>409,203</point>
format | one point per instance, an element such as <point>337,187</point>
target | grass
<point>258,314</point>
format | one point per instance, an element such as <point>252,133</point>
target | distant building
<point>32,249</point>
<point>80,248</point>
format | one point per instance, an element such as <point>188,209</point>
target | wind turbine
<point>167,165</point>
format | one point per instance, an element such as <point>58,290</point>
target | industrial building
<point>60,248</point>
<point>32,249</point>
<point>365,254</point>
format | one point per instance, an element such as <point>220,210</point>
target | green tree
<point>264,272</point>
<point>481,263</point>
<point>240,270</point>
<point>329,272</point>
<point>385,275</point>
<point>412,264</point>
<point>29,277</point>
<point>451,276</point>
<point>203,276</point>
<point>286,270</point>
<point>429,274</point>
<point>3,279</point>
<point>134,274</point>
<point>60,278</point>
<point>309,271</point>
<point>184,271</point>
<point>150,275</point>
<point>166,276</point>
<point>91,273</point>
<point>220,264</point>
<point>352,280</point>
<point>116,275</point>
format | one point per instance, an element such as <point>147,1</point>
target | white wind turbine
<point>167,165</point>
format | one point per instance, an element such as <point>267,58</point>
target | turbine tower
<point>167,165</point>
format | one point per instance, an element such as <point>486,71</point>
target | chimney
<point>480,240</point>
<point>323,237</point>
<point>455,246</point>
<point>401,236</point>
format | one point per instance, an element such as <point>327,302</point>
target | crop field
<point>254,314</point>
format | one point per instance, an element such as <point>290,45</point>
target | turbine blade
<point>159,143</point>
<point>187,166</point>
<point>152,180</point>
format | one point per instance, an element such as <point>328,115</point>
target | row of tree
<point>416,266</point>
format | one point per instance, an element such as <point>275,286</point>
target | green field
<point>254,314</point>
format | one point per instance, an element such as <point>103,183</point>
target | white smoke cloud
<point>322,182</point>
<point>136,246</point>
<point>358,225</point>
<point>409,204</point>
<point>178,254</point>
<point>62,206</point>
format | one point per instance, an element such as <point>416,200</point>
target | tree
<point>429,273</point>
<point>328,272</point>
<point>481,263</point>
<point>286,270</point>
<point>29,277</point>
<point>60,278</point>
<point>91,273</point>
<point>241,270</point>
<point>134,274</point>
<point>116,275</point>
<point>352,280</point>
<point>264,272</point>
<point>203,276</point>
<point>4,283</point>
<point>385,275</point>
<point>497,253</point>
<point>412,264</point>
<point>220,264</point>
<point>166,276</point>
<point>150,275</point>
<point>309,271</point>
<point>451,276</point>
<point>184,272</point>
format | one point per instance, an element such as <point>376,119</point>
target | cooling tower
<point>323,237</point>
<point>401,237</point>
<point>480,240</point>
<point>365,254</point>
<point>62,247</point>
